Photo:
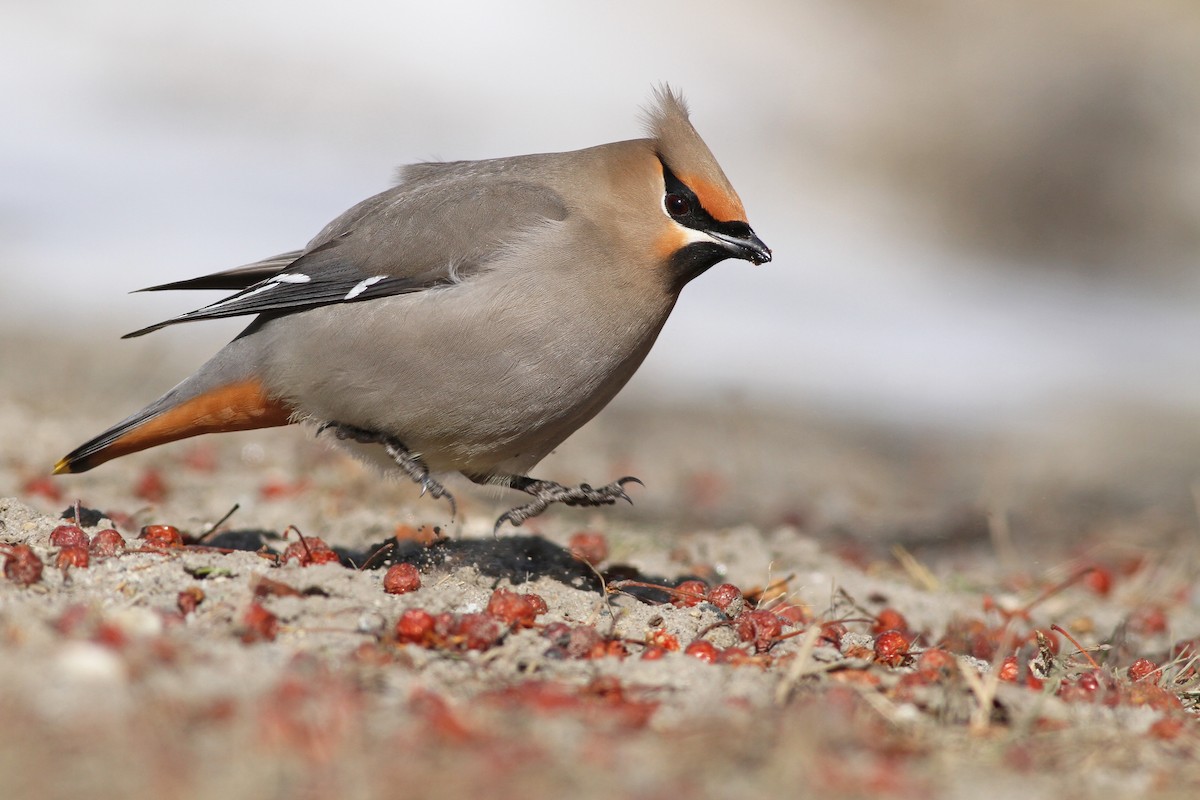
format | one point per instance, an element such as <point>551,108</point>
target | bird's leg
<point>410,464</point>
<point>546,493</point>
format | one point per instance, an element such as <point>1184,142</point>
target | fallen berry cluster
<point>506,611</point>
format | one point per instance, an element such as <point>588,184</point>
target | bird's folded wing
<point>411,238</point>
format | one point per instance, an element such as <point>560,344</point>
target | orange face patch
<point>724,206</point>
<point>672,240</point>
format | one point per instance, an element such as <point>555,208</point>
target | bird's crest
<point>686,154</point>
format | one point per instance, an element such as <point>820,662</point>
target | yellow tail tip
<point>63,467</point>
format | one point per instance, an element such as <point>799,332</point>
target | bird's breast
<point>471,375</point>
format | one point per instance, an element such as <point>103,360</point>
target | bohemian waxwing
<point>468,319</point>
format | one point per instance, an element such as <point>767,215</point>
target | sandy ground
<point>110,687</point>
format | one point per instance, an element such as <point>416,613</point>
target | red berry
<point>735,656</point>
<point>760,627</point>
<point>310,550</point>
<point>415,626</point>
<point>72,556</point>
<point>151,487</point>
<point>589,547</point>
<point>612,647</point>
<point>188,600</point>
<point>690,593</point>
<point>790,614</point>
<point>478,631</point>
<point>935,665</point>
<point>653,653</point>
<point>889,619</point>
<point>1166,728</point>
<point>891,648</point>
<point>258,624</point>
<point>1148,619</point>
<point>44,486</point>
<point>401,579</point>
<point>703,650</point>
<point>1099,580</point>
<point>21,565</point>
<point>1089,682</point>
<point>107,543</point>
<point>515,610</point>
<point>68,536</point>
<point>161,536</point>
<point>728,598</point>
<point>538,603</point>
<point>1141,669</point>
<point>1008,670</point>
<point>832,633</point>
<point>660,639</point>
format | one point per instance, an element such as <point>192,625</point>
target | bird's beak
<point>749,247</point>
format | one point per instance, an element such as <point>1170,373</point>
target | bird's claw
<point>546,493</point>
<point>410,464</point>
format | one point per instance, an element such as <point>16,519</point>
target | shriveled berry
<point>161,536</point>
<point>690,593</point>
<point>513,609</point>
<point>189,599</point>
<point>107,543</point>
<point>72,556</point>
<point>832,633</point>
<point>22,565</point>
<point>68,536</point>
<point>310,550</point>
<point>728,598</point>
<point>760,627</point>
<point>401,579</point>
<point>478,631</point>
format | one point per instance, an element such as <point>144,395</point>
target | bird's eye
<point>677,205</point>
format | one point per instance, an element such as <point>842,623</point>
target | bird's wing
<point>427,232</point>
<point>236,278</point>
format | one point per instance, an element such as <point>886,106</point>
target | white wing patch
<point>291,278</point>
<point>362,286</point>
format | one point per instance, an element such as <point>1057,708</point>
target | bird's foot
<point>547,493</point>
<point>409,463</point>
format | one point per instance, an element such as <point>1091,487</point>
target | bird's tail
<point>223,395</point>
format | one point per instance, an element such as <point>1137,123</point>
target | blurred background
<point>985,218</point>
<point>982,213</point>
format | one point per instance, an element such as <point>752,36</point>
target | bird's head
<point>703,220</point>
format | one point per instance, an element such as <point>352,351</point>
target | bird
<point>469,318</point>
